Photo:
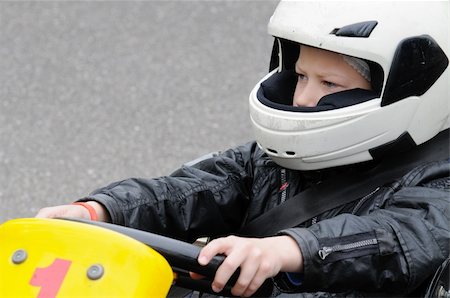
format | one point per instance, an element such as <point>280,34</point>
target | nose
<point>306,95</point>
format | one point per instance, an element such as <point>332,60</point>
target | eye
<point>301,77</point>
<point>329,84</point>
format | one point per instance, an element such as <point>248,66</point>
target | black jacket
<point>388,242</point>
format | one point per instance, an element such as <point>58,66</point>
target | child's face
<point>322,72</point>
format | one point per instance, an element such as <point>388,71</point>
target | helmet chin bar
<point>401,144</point>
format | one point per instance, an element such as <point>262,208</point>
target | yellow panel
<point>52,258</point>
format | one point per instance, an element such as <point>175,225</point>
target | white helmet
<point>406,45</point>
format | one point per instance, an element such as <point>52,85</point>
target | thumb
<point>194,275</point>
<point>213,248</point>
<point>203,258</point>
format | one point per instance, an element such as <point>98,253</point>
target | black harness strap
<point>344,189</point>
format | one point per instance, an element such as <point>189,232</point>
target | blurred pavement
<point>94,92</point>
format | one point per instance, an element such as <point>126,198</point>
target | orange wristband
<point>92,213</point>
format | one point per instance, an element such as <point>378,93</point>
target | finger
<point>49,212</point>
<point>261,275</point>
<point>42,213</point>
<point>63,211</point>
<point>253,287</point>
<point>231,263</point>
<point>213,248</point>
<point>248,271</point>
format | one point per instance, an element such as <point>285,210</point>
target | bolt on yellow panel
<point>60,258</point>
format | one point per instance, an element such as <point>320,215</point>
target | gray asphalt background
<point>95,92</point>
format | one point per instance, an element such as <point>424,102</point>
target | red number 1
<point>50,278</point>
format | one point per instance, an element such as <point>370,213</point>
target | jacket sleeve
<point>209,197</point>
<point>393,248</point>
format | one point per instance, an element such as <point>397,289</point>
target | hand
<point>258,260</point>
<point>75,211</point>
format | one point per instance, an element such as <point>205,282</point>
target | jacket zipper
<point>363,199</point>
<point>284,185</point>
<point>327,250</point>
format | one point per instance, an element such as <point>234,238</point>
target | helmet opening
<point>290,51</point>
<point>278,90</point>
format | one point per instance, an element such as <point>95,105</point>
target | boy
<point>319,73</point>
<point>386,242</point>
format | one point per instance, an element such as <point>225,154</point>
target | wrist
<point>97,211</point>
<point>290,254</point>
<point>92,212</point>
<point>103,214</point>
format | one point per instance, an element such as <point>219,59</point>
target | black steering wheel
<point>182,257</point>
